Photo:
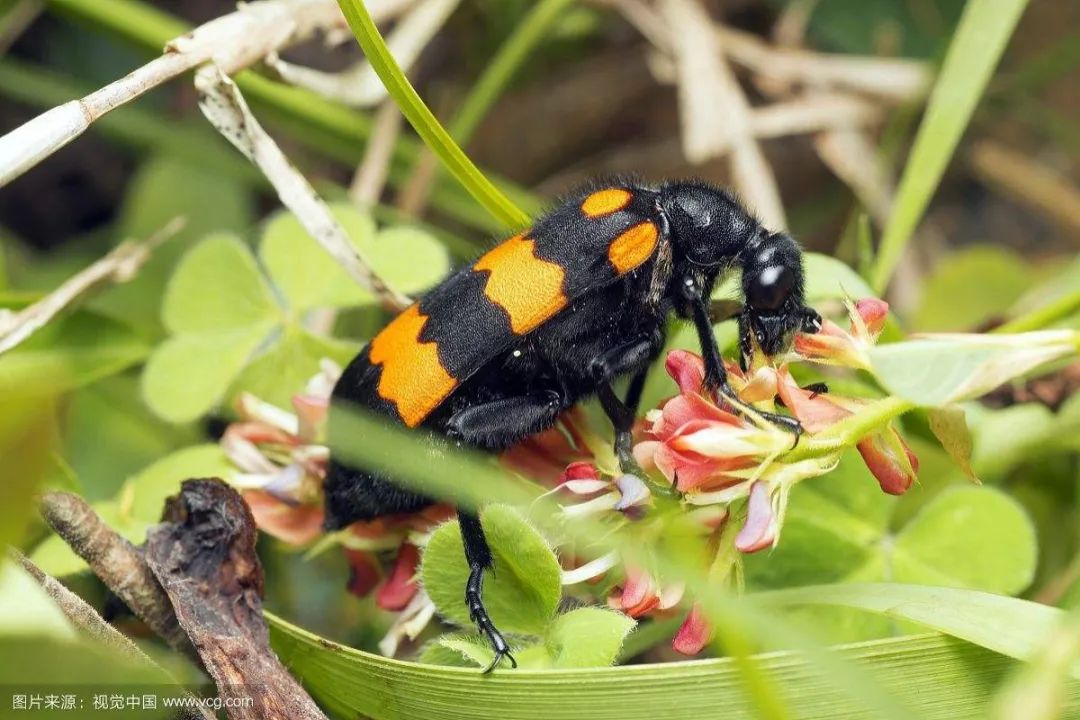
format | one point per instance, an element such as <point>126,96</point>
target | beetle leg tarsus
<point>478,555</point>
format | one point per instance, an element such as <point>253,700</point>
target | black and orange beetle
<point>553,315</point>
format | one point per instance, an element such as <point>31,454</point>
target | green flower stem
<point>850,430</point>
<point>327,127</point>
<point>1042,317</point>
<point>511,55</point>
<point>424,122</point>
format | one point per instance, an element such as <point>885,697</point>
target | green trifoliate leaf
<point>189,374</point>
<point>521,594</point>
<point>217,286</point>
<point>408,258</point>
<point>283,370</point>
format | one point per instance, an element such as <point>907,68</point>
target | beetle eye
<point>769,288</point>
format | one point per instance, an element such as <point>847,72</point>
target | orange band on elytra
<point>529,289</point>
<point>413,377</point>
<point>604,202</point>
<point>633,247</point>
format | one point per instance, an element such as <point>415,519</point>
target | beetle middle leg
<point>631,356</point>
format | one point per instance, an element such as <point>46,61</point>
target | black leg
<point>628,357</point>
<point>500,423</point>
<point>478,555</point>
<point>715,375</point>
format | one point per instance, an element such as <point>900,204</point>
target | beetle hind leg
<point>478,555</point>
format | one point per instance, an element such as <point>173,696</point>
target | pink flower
<point>641,594</point>
<point>694,634</point>
<point>760,529</point>
<point>834,346</point>
<point>697,445</point>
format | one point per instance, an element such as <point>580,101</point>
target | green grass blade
<point>980,39</point>
<point>940,677</point>
<point>526,36</point>
<point>424,122</point>
<point>1010,626</point>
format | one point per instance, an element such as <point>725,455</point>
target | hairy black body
<point>513,384</point>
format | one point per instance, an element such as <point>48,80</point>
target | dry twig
<point>225,108</point>
<point>203,554</point>
<point>360,86</point>
<point>119,266</point>
<point>713,105</point>
<point>118,563</point>
<point>370,177</point>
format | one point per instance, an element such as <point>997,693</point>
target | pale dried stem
<point>225,108</point>
<point>120,265</point>
<point>891,79</point>
<point>84,617</point>
<point>414,195</point>
<point>370,178</point>
<point>790,27</point>
<point>714,110</point>
<point>233,42</point>
<point>1028,181</point>
<point>360,86</point>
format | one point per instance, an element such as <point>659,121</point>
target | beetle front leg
<point>715,375</point>
<point>478,556</point>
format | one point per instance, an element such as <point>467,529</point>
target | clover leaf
<point>233,328</point>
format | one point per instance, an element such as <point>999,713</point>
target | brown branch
<point>203,554</point>
<point>118,563</point>
<point>86,619</point>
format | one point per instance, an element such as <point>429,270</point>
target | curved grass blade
<point>1010,626</point>
<point>980,39</point>
<point>423,121</point>
<point>940,677</point>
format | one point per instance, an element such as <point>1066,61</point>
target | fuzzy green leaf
<point>587,637</point>
<point>940,678</point>
<point>523,591</point>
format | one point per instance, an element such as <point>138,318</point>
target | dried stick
<point>81,614</point>
<point>1038,186</point>
<point>223,105</point>
<point>360,86</point>
<point>714,110</point>
<point>90,622</point>
<point>234,41</point>
<point>370,177</point>
<point>118,563</point>
<point>203,554</point>
<point>120,265</point>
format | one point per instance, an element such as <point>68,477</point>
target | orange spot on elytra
<point>529,289</point>
<point>633,247</point>
<point>604,202</point>
<point>413,377</point>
